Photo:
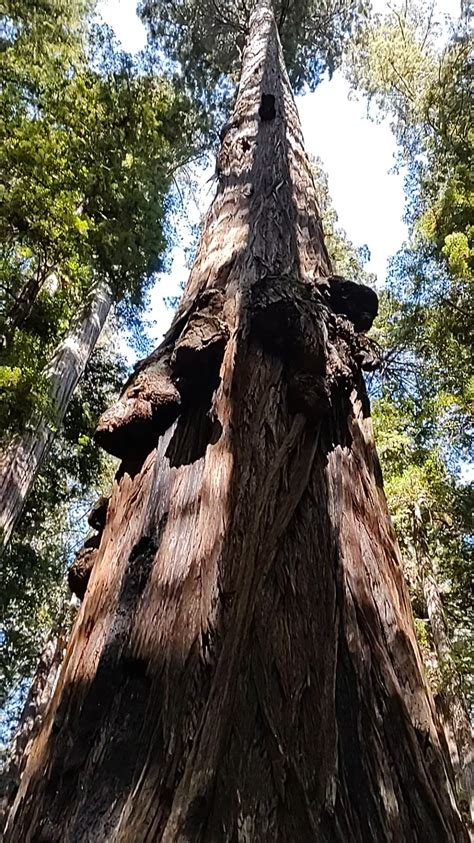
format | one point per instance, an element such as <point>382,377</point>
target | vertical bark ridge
<point>244,665</point>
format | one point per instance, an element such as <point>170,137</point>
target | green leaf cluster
<point>89,143</point>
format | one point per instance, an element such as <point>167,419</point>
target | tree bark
<point>244,665</point>
<point>453,709</point>
<point>23,457</point>
<point>39,696</point>
<point>24,302</point>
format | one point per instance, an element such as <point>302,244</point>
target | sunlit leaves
<point>207,38</point>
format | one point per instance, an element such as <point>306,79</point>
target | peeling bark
<point>23,457</point>
<point>244,665</point>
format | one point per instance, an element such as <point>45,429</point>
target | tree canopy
<point>207,38</point>
<point>399,64</point>
<point>88,152</point>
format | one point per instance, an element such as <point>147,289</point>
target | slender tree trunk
<point>454,713</point>
<point>23,306</point>
<point>244,665</point>
<point>39,696</point>
<point>23,457</point>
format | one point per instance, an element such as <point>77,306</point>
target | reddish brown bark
<point>39,696</point>
<point>244,666</point>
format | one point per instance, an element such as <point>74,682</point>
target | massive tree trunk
<point>244,665</point>
<point>22,459</point>
<point>450,702</point>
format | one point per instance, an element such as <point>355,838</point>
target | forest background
<point>137,151</point>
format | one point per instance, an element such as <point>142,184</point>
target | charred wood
<point>98,514</point>
<point>357,302</point>
<point>80,571</point>
<point>267,107</point>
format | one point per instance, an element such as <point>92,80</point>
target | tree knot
<point>357,302</point>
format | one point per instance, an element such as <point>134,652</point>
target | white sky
<point>357,154</point>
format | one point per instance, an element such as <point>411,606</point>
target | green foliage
<point>398,63</point>
<point>90,140</point>
<point>416,474</point>
<point>423,415</point>
<point>207,38</point>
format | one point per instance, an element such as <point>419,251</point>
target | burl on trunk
<point>244,665</point>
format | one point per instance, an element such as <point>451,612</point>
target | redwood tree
<point>24,455</point>
<point>244,665</point>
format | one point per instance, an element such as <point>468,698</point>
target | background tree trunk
<point>23,457</point>
<point>453,709</point>
<point>244,665</point>
<point>39,696</point>
<point>26,298</point>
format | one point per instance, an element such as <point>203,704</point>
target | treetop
<point>206,37</point>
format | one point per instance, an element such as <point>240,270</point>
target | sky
<point>357,154</point>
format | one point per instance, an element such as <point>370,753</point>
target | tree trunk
<point>453,709</point>
<point>39,696</point>
<point>244,665</point>
<point>24,302</point>
<point>23,457</point>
